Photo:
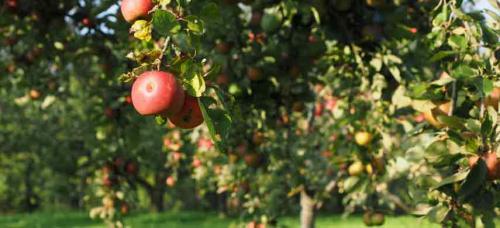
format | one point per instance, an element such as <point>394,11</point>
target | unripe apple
<point>190,115</point>
<point>441,109</point>
<point>363,138</point>
<point>356,168</point>
<point>135,9</point>
<point>378,219</point>
<point>170,181</point>
<point>157,92</point>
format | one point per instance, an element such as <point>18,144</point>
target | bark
<point>157,200</point>
<point>307,213</point>
<point>30,200</point>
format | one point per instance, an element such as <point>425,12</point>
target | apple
<point>11,4</point>
<point>318,109</point>
<point>326,154</point>
<point>256,18</point>
<point>190,115</point>
<point>131,168</point>
<point>252,159</point>
<point>34,94</point>
<point>124,208</point>
<point>363,138</point>
<point>492,164</point>
<point>369,169</point>
<point>107,169</point>
<point>223,47</point>
<point>442,108</point>
<point>110,113</point>
<point>330,103</point>
<point>254,74</point>
<point>205,144</point>
<point>157,92</point>
<point>177,156</point>
<point>367,218</point>
<point>235,90</point>
<point>258,138</point>
<point>222,79</point>
<point>419,118</point>
<point>493,98</point>
<point>134,9</point>
<point>86,22</point>
<point>217,169</point>
<point>108,181</point>
<point>413,30</point>
<point>356,168</point>
<point>196,163</point>
<point>170,181</point>
<point>128,99</point>
<point>11,68</point>
<point>377,219</point>
<point>108,202</point>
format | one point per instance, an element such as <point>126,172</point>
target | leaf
<point>399,99</point>
<point>474,180</point>
<point>443,81</point>
<point>487,86</point>
<point>210,13</point>
<point>461,175</point>
<point>488,123</point>
<point>218,121</point>
<point>141,30</point>
<point>457,42</point>
<point>315,13</point>
<point>463,71</point>
<point>452,121</point>
<point>195,25</point>
<point>473,125</point>
<point>438,213</point>
<point>422,105</point>
<point>441,55</point>
<point>395,73</point>
<point>165,23</point>
<point>160,120</point>
<point>192,79</point>
<point>376,63</point>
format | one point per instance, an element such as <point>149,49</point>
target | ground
<point>185,220</point>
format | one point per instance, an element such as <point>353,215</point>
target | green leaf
<point>452,121</point>
<point>488,124</point>
<point>160,120</point>
<point>457,42</point>
<point>463,71</point>
<point>441,55</point>
<point>270,22</point>
<point>376,63</point>
<point>473,125</point>
<point>210,13</point>
<point>438,213</point>
<point>165,23</point>
<point>194,82</point>
<point>218,121</point>
<point>452,179</point>
<point>487,86</point>
<point>195,25</point>
<point>474,180</point>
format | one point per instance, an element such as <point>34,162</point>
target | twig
<point>165,45</point>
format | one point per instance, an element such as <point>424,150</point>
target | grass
<point>186,220</point>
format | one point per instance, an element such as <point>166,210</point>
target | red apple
<point>134,9</point>
<point>318,109</point>
<point>205,144</point>
<point>86,22</point>
<point>254,74</point>
<point>157,92</point>
<point>222,79</point>
<point>170,181</point>
<point>177,156</point>
<point>196,162</point>
<point>190,115</point>
<point>35,94</point>
<point>131,168</point>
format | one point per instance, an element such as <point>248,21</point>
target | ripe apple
<point>196,162</point>
<point>222,79</point>
<point>367,218</point>
<point>254,74</point>
<point>258,138</point>
<point>441,109</point>
<point>176,156</point>
<point>190,115</point>
<point>124,208</point>
<point>256,18</point>
<point>330,103</point>
<point>157,92</point>
<point>34,94</point>
<point>252,159</point>
<point>493,98</point>
<point>223,47</point>
<point>11,4</point>
<point>86,22</point>
<point>205,144</point>
<point>108,181</point>
<point>492,164</point>
<point>170,181</point>
<point>356,168</point>
<point>363,138</point>
<point>128,99</point>
<point>131,168</point>
<point>318,109</point>
<point>134,9</point>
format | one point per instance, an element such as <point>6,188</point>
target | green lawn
<point>184,220</point>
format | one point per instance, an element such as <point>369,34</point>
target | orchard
<point>258,110</point>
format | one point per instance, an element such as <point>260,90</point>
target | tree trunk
<point>30,200</point>
<point>157,200</point>
<point>307,204</point>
